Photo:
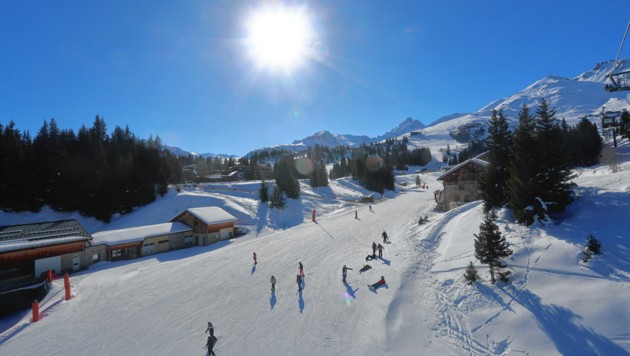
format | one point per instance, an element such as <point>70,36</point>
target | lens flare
<point>304,166</point>
<point>374,162</point>
<point>347,297</point>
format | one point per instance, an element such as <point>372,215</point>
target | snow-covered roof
<point>210,215</point>
<point>138,233</point>
<point>25,236</point>
<point>476,160</point>
<point>25,244</point>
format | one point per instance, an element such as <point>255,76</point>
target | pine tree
<point>264,192</point>
<point>418,181</point>
<point>499,145</point>
<point>471,274</point>
<point>277,198</point>
<point>286,175</point>
<point>553,174</point>
<point>521,185</point>
<point>490,244</point>
<point>593,244</point>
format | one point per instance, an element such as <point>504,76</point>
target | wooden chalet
<point>460,184</point>
<point>210,224</point>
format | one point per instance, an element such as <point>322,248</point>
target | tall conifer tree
<point>521,186</point>
<point>499,145</point>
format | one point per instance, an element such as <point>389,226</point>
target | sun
<point>279,37</point>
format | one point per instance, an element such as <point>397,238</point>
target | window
<point>116,253</point>
<point>95,257</point>
<point>163,242</point>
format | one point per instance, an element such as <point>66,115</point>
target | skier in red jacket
<point>378,284</point>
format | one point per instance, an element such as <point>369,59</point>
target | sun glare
<point>279,37</point>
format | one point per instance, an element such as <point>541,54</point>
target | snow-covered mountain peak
<point>404,127</point>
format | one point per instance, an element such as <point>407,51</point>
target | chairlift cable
<point>619,51</point>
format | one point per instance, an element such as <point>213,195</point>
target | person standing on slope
<point>299,282</point>
<point>273,284</point>
<point>373,249</point>
<point>356,214</point>
<point>301,268</point>
<point>210,345</point>
<point>210,329</point>
<point>384,237</point>
<point>380,250</point>
<point>344,272</point>
<point>255,262</point>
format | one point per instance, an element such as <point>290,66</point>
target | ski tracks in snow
<point>412,309</point>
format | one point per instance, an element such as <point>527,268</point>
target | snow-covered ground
<point>160,304</point>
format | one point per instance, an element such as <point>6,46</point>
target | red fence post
<point>50,276</point>
<point>35,308</point>
<point>66,284</point>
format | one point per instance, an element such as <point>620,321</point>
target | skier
<point>255,262</point>
<point>273,284</point>
<point>210,345</point>
<point>356,214</point>
<point>384,237</point>
<point>344,272</point>
<point>373,249</point>
<point>377,284</point>
<point>301,268</point>
<point>365,268</point>
<point>371,208</point>
<point>299,282</point>
<point>380,250</point>
<point>210,329</point>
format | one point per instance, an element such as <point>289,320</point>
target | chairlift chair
<point>618,81</point>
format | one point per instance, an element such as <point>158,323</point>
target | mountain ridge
<point>572,98</point>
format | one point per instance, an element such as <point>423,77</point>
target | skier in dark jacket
<point>380,250</point>
<point>273,284</point>
<point>344,272</point>
<point>210,345</point>
<point>384,237</point>
<point>210,329</point>
<point>373,249</point>
<point>299,282</point>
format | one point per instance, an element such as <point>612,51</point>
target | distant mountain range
<point>572,98</point>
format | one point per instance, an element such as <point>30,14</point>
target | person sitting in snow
<point>365,268</point>
<point>379,283</point>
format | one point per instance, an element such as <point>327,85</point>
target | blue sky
<point>181,70</point>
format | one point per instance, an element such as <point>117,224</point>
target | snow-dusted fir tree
<point>471,275</point>
<point>277,199</point>
<point>553,173</point>
<point>418,181</point>
<point>490,245</point>
<point>499,145</point>
<point>521,186</point>
<point>264,192</point>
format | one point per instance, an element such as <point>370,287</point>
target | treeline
<point>530,169</point>
<point>474,148</point>
<point>91,172</point>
